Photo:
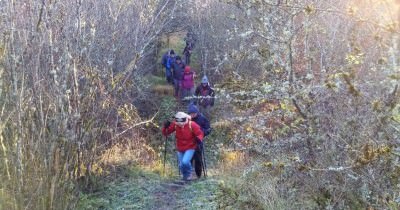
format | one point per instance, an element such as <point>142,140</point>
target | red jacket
<point>185,137</point>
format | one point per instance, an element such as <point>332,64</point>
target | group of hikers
<point>192,127</point>
<point>179,74</point>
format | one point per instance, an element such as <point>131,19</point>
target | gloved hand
<point>167,123</point>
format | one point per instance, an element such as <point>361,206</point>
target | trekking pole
<point>165,152</point>
<point>204,161</point>
<point>177,161</point>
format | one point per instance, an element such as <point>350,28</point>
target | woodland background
<point>307,114</point>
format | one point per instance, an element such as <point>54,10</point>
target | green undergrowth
<point>128,189</point>
<point>199,194</point>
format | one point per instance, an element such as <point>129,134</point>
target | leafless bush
<point>328,74</point>
<point>67,68</point>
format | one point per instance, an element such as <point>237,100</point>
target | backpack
<point>191,130</point>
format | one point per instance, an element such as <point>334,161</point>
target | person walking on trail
<point>204,124</point>
<point>177,70</point>
<point>188,136</point>
<point>205,97</point>
<point>200,119</point>
<point>187,51</point>
<point>167,60</point>
<point>188,84</point>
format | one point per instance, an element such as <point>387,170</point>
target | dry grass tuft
<point>163,90</point>
<point>248,184</point>
<point>128,152</point>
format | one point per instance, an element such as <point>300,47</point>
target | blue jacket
<point>164,59</point>
<point>170,61</point>
<point>203,122</point>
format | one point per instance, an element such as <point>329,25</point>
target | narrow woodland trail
<point>198,194</point>
<point>132,187</point>
<point>143,190</point>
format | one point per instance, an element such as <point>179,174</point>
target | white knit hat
<point>182,118</point>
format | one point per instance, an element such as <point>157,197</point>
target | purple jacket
<point>188,80</point>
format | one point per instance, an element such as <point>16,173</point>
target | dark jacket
<point>177,70</point>
<point>188,49</point>
<point>205,95</point>
<point>203,122</point>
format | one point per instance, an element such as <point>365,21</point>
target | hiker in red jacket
<point>188,136</point>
